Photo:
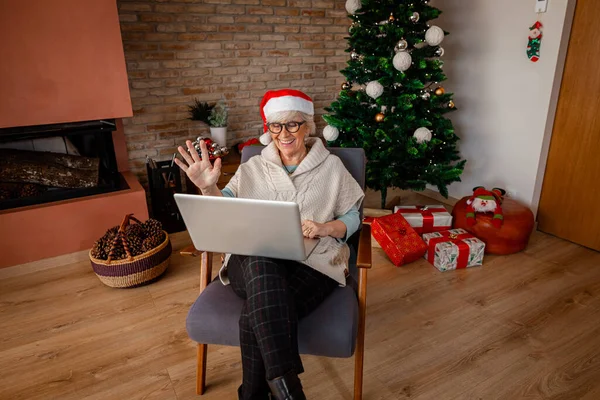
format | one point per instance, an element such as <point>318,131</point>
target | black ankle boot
<point>263,396</point>
<point>287,387</point>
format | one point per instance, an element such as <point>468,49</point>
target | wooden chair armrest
<point>363,259</point>
<point>206,258</point>
<point>190,251</point>
<point>364,263</point>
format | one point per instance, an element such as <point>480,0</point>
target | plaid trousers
<point>278,293</point>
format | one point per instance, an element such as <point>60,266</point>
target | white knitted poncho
<point>321,186</point>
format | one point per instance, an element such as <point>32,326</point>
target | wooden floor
<point>524,326</point>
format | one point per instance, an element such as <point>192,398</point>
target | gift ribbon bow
<point>463,247</point>
<point>426,212</point>
<point>395,233</point>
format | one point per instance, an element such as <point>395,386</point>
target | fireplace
<point>50,227</point>
<point>60,186</point>
<point>47,163</point>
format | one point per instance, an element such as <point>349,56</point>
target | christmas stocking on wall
<point>535,39</point>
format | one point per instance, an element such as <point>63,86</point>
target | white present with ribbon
<point>426,219</point>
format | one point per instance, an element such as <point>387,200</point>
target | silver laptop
<point>245,227</point>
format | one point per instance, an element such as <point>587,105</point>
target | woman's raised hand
<point>199,171</point>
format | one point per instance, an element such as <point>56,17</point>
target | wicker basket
<point>132,271</point>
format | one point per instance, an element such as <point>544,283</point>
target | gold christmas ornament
<point>440,91</point>
<point>379,117</point>
<point>346,86</point>
<point>391,18</point>
<point>450,104</point>
<point>402,45</point>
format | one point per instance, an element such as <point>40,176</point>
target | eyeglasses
<point>292,126</point>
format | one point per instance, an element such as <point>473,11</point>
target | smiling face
<point>483,205</point>
<point>290,144</point>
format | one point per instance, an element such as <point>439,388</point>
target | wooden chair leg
<point>201,369</point>
<point>359,353</point>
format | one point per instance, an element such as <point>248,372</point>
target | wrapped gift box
<point>453,249</point>
<point>426,219</point>
<point>398,239</point>
<point>368,220</point>
<point>369,216</point>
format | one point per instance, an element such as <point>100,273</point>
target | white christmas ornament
<point>374,89</point>
<point>352,6</point>
<point>422,135</point>
<point>265,138</point>
<point>330,133</point>
<point>434,35</point>
<point>402,61</point>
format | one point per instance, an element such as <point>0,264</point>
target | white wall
<point>505,102</point>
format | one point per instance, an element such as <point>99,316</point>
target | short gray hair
<point>286,116</point>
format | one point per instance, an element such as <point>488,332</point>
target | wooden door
<point>570,202</point>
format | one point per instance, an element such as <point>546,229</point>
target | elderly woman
<point>293,167</point>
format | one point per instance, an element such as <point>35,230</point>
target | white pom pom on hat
<point>265,138</point>
<point>275,101</point>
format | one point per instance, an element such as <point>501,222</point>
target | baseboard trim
<point>44,264</point>
<point>450,201</point>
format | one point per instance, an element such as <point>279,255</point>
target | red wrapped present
<point>398,239</point>
<point>454,249</point>
<point>426,219</point>
<point>250,142</point>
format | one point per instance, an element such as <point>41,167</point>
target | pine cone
<point>107,244</point>
<point>118,252</point>
<point>153,241</point>
<point>136,230</point>
<point>152,227</point>
<point>135,244</point>
<point>111,233</point>
<point>98,250</point>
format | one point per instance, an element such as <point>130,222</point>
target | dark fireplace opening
<point>46,163</point>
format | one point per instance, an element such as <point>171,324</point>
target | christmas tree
<point>392,104</point>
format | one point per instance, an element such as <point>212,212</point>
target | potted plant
<point>215,116</point>
<point>218,123</point>
<point>200,111</point>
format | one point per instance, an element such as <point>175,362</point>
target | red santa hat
<point>275,101</point>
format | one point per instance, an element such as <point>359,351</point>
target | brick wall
<point>236,49</point>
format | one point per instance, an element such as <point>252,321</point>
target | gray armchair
<point>335,329</point>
